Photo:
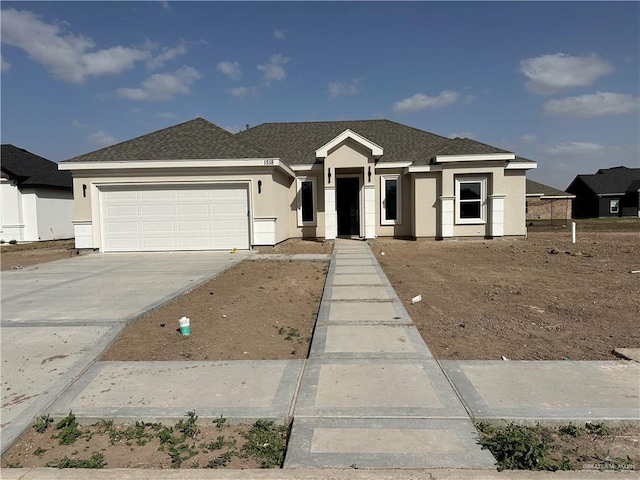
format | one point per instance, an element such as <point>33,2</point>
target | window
<point>471,195</point>
<point>306,202</point>
<point>390,208</point>
<point>614,206</point>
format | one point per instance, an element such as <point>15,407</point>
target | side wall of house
<point>54,210</point>
<point>11,221</point>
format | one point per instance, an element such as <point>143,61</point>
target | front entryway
<point>348,206</point>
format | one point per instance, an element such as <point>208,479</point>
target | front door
<point>348,206</point>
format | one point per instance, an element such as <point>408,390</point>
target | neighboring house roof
<point>29,169</point>
<point>296,142</point>
<point>610,181</point>
<point>535,189</point>
<point>196,139</point>
<point>634,186</point>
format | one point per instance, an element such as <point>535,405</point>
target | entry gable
<point>376,150</point>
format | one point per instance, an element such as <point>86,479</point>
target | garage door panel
<point>175,218</point>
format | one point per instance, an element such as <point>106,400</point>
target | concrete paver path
<point>371,395</point>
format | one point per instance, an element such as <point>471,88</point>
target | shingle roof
<point>30,169</point>
<point>296,143</point>
<point>535,188</point>
<point>467,146</point>
<point>195,139</point>
<point>610,180</point>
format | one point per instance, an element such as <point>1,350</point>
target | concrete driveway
<point>57,318</point>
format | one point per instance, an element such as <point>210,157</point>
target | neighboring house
<point>610,192</point>
<point>36,199</point>
<point>195,186</point>
<point>547,203</point>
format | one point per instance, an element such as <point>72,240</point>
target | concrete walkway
<point>371,395</point>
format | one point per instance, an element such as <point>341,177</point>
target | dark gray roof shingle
<point>467,146</point>
<point>610,180</point>
<point>29,169</point>
<point>535,188</point>
<point>196,139</point>
<point>296,142</point>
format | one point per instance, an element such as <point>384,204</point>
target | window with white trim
<point>614,206</point>
<point>390,204</point>
<point>306,201</point>
<point>471,200</point>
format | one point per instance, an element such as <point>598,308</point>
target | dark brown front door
<point>348,206</point>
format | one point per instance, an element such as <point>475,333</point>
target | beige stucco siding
<point>296,231</point>
<point>405,228</point>
<point>427,190</point>
<point>515,186</point>
<point>271,202</point>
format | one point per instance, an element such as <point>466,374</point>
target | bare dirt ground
<point>257,310</point>
<point>21,255</point>
<point>540,298</point>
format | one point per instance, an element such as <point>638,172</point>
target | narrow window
<point>306,201</point>
<point>390,200</point>
<point>614,206</point>
<point>306,194</point>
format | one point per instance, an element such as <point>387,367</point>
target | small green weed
<point>220,461</point>
<point>220,421</point>
<point>597,429</point>
<point>518,447</point>
<point>570,430</point>
<point>69,431</point>
<point>266,442</point>
<point>38,452</point>
<point>179,453</point>
<point>188,427</point>
<point>95,461</point>
<point>42,423</point>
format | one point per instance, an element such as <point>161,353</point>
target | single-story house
<point>610,192</point>
<point>195,186</point>
<point>36,199</point>
<point>547,203</point>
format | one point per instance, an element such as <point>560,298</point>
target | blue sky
<point>554,82</point>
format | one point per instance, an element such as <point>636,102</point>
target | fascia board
<point>475,157</point>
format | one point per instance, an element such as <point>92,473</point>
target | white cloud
<point>595,105</point>
<point>280,33</point>
<point>101,138</point>
<point>165,4</point>
<point>230,69</point>
<point>420,101</point>
<point>549,74</point>
<point>242,92</point>
<point>528,138</point>
<point>166,55</point>
<point>4,65</point>
<point>461,135</point>
<point>337,89</point>
<point>78,124</point>
<point>574,148</point>
<point>162,86</point>
<point>273,69</point>
<point>70,58</point>
<point>166,115</point>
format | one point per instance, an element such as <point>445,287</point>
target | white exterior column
<point>330,213</point>
<point>369,212</point>
<point>446,214</point>
<point>497,215</point>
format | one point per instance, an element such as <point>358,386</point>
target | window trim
<point>483,201</point>
<point>299,182</point>
<point>617,206</point>
<point>383,194</point>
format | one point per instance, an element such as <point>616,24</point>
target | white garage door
<point>157,218</point>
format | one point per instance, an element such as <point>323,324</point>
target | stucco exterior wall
<point>514,186</point>
<point>306,231</point>
<point>54,211</point>
<point>271,202</point>
<point>405,228</point>
<point>12,224</point>
<point>427,190</point>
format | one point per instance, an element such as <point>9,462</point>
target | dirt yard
<point>257,310</point>
<point>542,298</point>
<point>14,257</point>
